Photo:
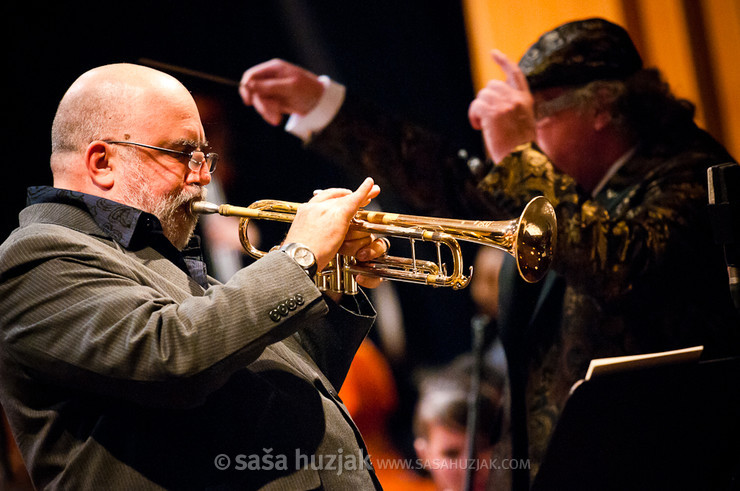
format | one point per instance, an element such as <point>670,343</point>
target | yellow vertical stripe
<point>723,28</point>
<point>668,47</point>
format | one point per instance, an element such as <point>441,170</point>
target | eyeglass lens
<point>198,158</point>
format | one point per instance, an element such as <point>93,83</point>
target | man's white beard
<point>173,211</point>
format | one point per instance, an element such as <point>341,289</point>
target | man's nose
<point>201,176</point>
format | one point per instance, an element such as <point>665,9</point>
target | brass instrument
<point>530,239</point>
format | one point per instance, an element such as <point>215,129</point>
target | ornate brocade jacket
<point>636,265</point>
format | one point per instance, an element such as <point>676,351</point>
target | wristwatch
<point>303,256</point>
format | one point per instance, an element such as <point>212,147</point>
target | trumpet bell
<point>535,240</point>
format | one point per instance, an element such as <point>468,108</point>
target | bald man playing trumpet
<point>123,365</point>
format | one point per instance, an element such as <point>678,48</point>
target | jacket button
<point>275,315</point>
<point>282,308</point>
<point>298,299</point>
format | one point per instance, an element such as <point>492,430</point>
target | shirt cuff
<point>320,116</point>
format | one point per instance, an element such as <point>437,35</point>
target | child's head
<point>440,422</point>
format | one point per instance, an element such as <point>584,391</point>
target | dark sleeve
<point>333,342</point>
<point>427,172</point>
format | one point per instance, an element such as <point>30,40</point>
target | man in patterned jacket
<point>582,122</point>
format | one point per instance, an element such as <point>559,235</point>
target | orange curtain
<point>693,43</point>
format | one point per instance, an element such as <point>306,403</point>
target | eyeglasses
<point>195,158</point>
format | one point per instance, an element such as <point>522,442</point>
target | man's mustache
<point>199,193</point>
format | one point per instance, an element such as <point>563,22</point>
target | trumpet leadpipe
<point>206,208</point>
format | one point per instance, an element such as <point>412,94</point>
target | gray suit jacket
<point>118,371</point>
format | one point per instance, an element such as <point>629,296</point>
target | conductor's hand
<point>276,88</point>
<point>504,110</point>
<point>322,224</point>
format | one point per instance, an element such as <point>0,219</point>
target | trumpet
<point>530,239</point>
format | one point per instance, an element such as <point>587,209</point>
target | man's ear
<point>602,119</point>
<point>420,446</point>
<point>99,167</point>
<point>603,110</point>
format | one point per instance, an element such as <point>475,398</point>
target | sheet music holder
<point>672,427</point>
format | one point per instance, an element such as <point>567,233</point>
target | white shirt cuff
<point>320,116</point>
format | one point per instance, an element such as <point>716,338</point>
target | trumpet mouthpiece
<point>203,207</point>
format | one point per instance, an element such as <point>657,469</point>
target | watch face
<point>304,257</point>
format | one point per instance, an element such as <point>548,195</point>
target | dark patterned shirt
<point>131,228</point>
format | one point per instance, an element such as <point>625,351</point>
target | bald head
<point>120,133</point>
<point>111,101</point>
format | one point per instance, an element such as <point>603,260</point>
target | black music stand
<point>669,427</point>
